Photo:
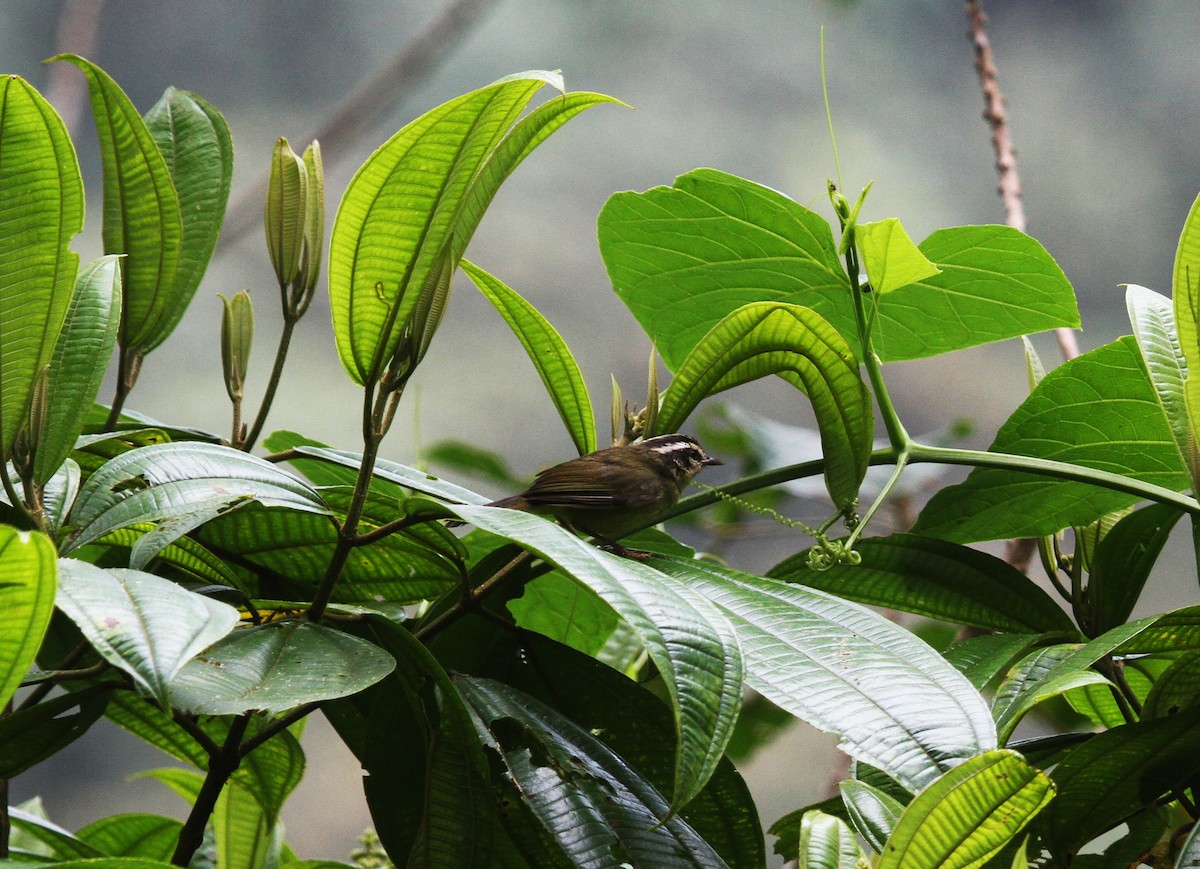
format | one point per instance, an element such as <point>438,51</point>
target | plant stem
<point>129,364</point>
<point>918,453</point>
<point>221,766</point>
<point>470,598</point>
<point>378,407</point>
<point>281,351</point>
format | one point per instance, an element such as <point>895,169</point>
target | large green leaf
<point>409,211</point>
<point>690,641</point>
<point>593,804</point>
<point>244,838</point>
<point>195,143</point>
<point>798,345</point>
<point>1036,678</point>
<point>394,472</point>
<point>1153,322</point>
<point>969,814</point>
<point>895,703</point>
<point>27,587</point>
<point>275,667</point>
<point>43,210</point>
<point>1123,561</point>
<point>1099,411</point>
<point>152,837</point>
<point>181,482</point>
<point>549,354</point>
<point>1185,292</point>
<point>873,812</point>
<point>141,209</point>
<point>937,579</point>
<point>637,725</point>
<point>1118,772</point>
<point>33,733</point>
<point>81,356</point>
<point>146,626</point>
<point>684,257</point>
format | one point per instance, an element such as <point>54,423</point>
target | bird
<point>611,492</point>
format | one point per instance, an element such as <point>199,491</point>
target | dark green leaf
<point>597,808</point>
<point>32,734</point>
<point>873,813</point>
<point>1123,561</point>
<point>1117,772</point>
<point>1098,411</point>
<point>1176,688</point>
<point>937,579</point>
<point>276,667</point>
<point>984,658</point>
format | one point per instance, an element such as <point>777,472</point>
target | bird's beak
<point>711,461</point>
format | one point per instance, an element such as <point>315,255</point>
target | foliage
<point>516,695</point>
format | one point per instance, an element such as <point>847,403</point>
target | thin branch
<point>995,114</point>
<point>370,101</point>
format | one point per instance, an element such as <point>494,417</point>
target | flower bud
<point>237,334</point>
<point>314,226</point>
<point>284,215</point>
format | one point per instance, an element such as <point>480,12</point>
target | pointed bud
<point>314,227</point>
<point>650,414</point>
<point>618,416</point>
<point>284,215</point>
<point>237,334</point>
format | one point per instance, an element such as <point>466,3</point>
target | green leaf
<point>97,863</point>
<point>1115,773</point>
<point>184,783</point>
<point>137,715</point>
<point>549,354</point>
<point>153,837</point>
<point>27,586</point>
<point>271,772</point>
<point>1098,411</point>
<point>33,733</point>
<point>689,641</point>
<point>403,734</point>
<point>847,670</point>
<point>43,211</point>
<point>198,150</point>
<point>183,481</point>
<point>969,814</point>
<point>827,842</point>
<point>1153,322</point>
<point>141,210</point>
<point>409,211</point>
<point>276,667</point>
<point>81,356</point>
<point>891,259</point>
<point>142,624</point>
<point>294,549</point>
<point>636,724</point>
<point>586,797</point>
<point>1097,701</point>
<point>558,607</point>
<point>799,346</point>
<point>873,812</point>
<point>58,844</point>
<point>1175,688</point>
<point>244,838</point>
<point>936,579</point>
<point>984,658</point>
<point>1038,677</point>
<point>683,257</point>
<point>402,475</point>
<point>1124,559</point>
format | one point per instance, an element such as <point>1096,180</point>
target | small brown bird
<point>613,491</point>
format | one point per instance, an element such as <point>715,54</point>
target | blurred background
<point>1102,99</point>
